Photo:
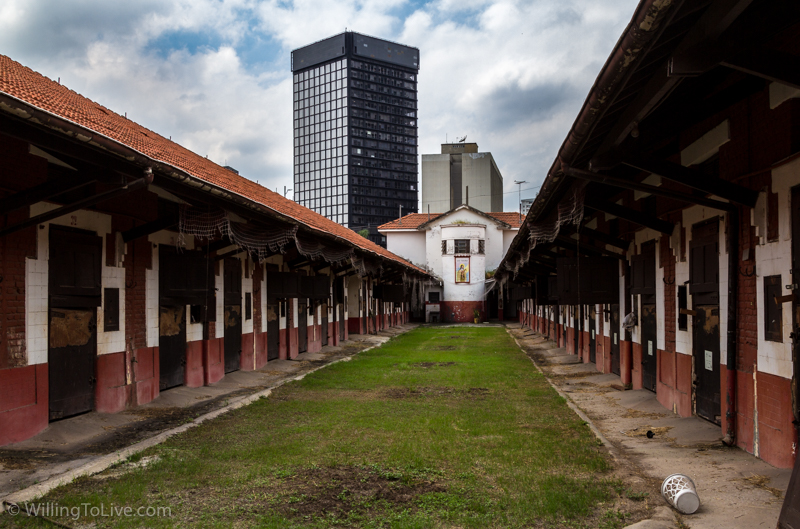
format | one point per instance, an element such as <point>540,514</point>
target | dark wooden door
<point>273,331</point>
<point>706,362</point>
<point>74,295</point>
<point>649,345</point>
<point>71,361</point>
<point>592,333</point>
<point>615,356</point>
<point>704,287</point>
<point>302,326</point>
<point>575,329</point>
<point>233,314</point>
<point>171,346</point>
<point>325,323</point>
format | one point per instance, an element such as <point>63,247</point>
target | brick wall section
<point>19,170</point>
<point>137,261</point>
<point>670,294</point>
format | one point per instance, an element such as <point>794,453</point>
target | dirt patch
<point>427,365</point>
<point>445,347</point>
<point>272,372</point>
<point>636,414</point>
<point>342,492</point>
<point>761,482</point>
<point>641,431</point>
<point>435,391</point>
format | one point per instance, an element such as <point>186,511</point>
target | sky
<point>214,75</point>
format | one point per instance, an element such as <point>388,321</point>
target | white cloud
<point>512,74</point>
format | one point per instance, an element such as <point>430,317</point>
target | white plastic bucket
<point>681,492</point>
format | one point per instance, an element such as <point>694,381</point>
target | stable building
<point>461,249</point>
<point>130,265</point>
<point>663,245</point>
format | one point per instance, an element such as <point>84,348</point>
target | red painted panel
<point>144,365</point>
<point>625,361</point>
<point>636,366</point>
<point>666,368</point>
<point>146,390</point>
<point>261,350</point>
<point>354,325</point>
<point>294,342</point>
<point>213,362</point>
<point>585,351</point>
<point>111,393</point>
<point>745,423</point>
<point>776,433</point>
<point>315,345</point>
<point>282,344</point>
<point>194,365</point>
<point>17,387</point>
<point>24,422</point>
<point>460,311</point>
<point>247,359</point>
<point>111,370</point>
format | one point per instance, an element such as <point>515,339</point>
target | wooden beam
<point>653,190</point>
<point>643,219</point>
<point>148,228</point>
<point>616,242</point>
<point>570,244</point>
<point>43,191</point>
<point>84,203</point>
<point>696,180</point>
<point>772,65</point>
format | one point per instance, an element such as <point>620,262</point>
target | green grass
<point>479,439</point>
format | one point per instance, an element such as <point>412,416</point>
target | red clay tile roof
<point>34,89</point>
<point>413,221</point>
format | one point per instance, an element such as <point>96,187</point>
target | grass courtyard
<point>440,427</point>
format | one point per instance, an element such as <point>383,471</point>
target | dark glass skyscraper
<point>355,130</point>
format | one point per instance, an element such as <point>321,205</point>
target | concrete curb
<point>104,462</point>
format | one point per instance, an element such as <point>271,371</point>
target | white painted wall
<point>409,244</point>
<point>775,258</point>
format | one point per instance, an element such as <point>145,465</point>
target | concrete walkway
<point>736,489</point>
<point>91,442</point>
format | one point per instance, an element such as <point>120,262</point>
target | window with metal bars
<point>461,246</point>
<point>481,246</point>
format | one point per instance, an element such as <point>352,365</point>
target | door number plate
<point>709,360</point>
<point>650,347</point>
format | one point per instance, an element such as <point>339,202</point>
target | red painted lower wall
<point>247,359</point>
<point>460,311</point>
<point>24,407</point>
<point>112,394</point>
<point>194,375</point>
<point>777,437</point>
<point>636,366</point>
<point>673,382</point>
<point>145,374</point>
<point>261,349</point>
<point>282,345</point>
<point>606,340</point>
<point>314,339</point>
<point>294,340</point>
<point>625,361</point>
<point>354,325</point>
<point>213,360</point>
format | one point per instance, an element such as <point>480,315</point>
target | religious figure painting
<point>462,269</point>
